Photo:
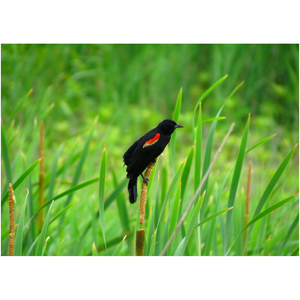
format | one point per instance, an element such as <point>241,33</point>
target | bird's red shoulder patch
<point>152,141</point>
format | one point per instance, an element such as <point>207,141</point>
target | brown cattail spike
<point>140,242</point>
<point>140,234</point>
<point>11,203</point>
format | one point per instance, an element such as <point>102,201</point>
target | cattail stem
<point>246,216</point>
<point>140,242</point>
<point>140,234</point>
<point>42,175</point>
<point>144,193</point>
<point>11,203</point>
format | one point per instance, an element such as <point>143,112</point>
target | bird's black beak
<point>178,125</point>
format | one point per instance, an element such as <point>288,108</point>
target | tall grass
<point>90,215</point>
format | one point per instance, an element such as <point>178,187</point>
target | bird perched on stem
<point>146,150</point>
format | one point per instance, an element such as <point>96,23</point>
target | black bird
<point>144,151</point>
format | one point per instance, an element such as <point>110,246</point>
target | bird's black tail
<point>132,189</point>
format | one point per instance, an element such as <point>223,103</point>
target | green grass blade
<point>30,208</point>
<point>166,227</point>
<point>94,250</point>
<point>5,235</point>
<point>45,246</point>
<point>63,211</point>
<point>45,113</point>
<point>261,215</point>
<point>42,239</point>
<point>21,179</point>
<point>198,151</point>
<point>119,248</point>
<point>122,208</point>
<point>115,193</point>
<point>53,172</point>
<point>72,190</point>
<point>179,249</point>
<point>175,211</point>
<point>292,228</point>
<point>154,211</point>
<point>211,233</point>
<point>204,95</point>
<point>72,158</point>
<point>32,246</point>
<point>173,217</point>
<point>235,179</point>
<point>186,171</point>
<point>260,143</point>
<point>192,222</point>
<point>172,187</point>
<point>213,216</point>
<point>55,218</point>
<point>107,203</point>
<point>110,243</point>
<point>79,167</point>
<point>18,107</point>
<point>134,235</point>
<point>102,191</point>
<point>267,211</point>
<point>267,247</point>
<point>19,236</point>
<point>175,118</point>
<point>77,133</point>
<point>152,246</point>
<point>295,252</point>
<point>213,119</point>
<point>79,170</point>
<point>273,182</point>
<point>207,157</point>
<point>208,149</point>
<point>5,157</point>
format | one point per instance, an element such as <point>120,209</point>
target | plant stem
<point>11,203</point>
<point>140,234</point>
<point>144,194</point>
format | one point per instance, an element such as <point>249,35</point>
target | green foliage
<point>236,178</point>
<point>89,96</point>
<point>42,240</point>
<point>101,191</point>
<point>19,235</point>
<point>20,180</point>
<point>119,248</point>
<point>263,214</point>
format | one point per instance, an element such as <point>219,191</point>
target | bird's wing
<point>146,140</point>
<point>151,140</point>
<point>146,151</point>
<point>127,155</point>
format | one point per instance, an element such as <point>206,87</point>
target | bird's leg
<point>145,179</point>
<point>154,160</point>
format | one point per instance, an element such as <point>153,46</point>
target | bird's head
<point>168,126</point>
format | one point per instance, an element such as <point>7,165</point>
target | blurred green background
<point>131,88</point>
<point>142,82</point>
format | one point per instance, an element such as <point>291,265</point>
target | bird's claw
<point>145,180</point>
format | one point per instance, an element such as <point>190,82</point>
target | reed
<point>11,203</point>
<point>140,234</point>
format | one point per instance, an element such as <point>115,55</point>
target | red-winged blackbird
<point>144,151</point>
